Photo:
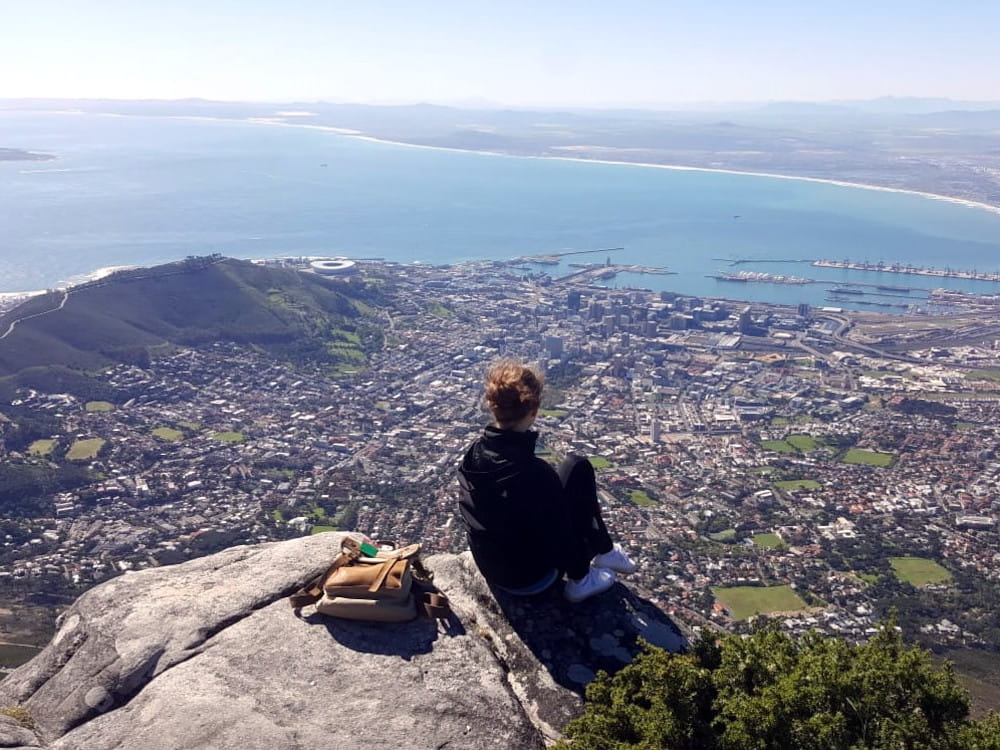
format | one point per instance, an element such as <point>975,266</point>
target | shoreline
<point>685,168</point>
<point>96,275</point>
<point>83,278</point>
<point>359,135</point>
<point>9,298</point>
<point>282,121</point>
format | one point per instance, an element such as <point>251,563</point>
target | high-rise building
<point>554,346</point>
<point>678,322</point>
<point>654,431</point>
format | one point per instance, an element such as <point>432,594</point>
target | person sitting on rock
<point>527,523</point>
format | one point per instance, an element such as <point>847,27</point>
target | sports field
<point>746,601</point>
<point>640,498</point>
<point>41,447</point>
<point>770,541</point>
<point>803,442</point>
<point>797,443</point>
<point>790,485</point>
<point>168,433</point>
<point>726,535</point>
<point>918,571</point>
<point>229,437</point>
<point>83,450</point>
<point>872,458</point>
<point>778,446</point>
<point>558,413</point>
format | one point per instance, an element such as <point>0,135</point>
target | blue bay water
<point>140,191</point>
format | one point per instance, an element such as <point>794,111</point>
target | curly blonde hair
<point>513,391</point>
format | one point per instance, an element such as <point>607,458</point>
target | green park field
<point>640,498</point>
<point>558,413</point>
<point>872,458</point>
<point>770,541</point>
<point>95,406</point>
<point>229,437</point>
<point>778,446</point>
<point>792,444</point>
<point>791,485</point>
<point>918,571</point>
<point>41,447</point>
<point>599,462</point>
<point>746,601</point>
<point>803,442</point>
<point>726,535</point>
<point>84,450</point>
<point>168,433</point>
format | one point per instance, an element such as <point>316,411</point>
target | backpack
<point>379,587</point>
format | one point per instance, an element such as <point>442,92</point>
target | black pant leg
<point>589,534</point>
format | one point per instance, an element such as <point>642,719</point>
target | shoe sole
<point>574,600</point>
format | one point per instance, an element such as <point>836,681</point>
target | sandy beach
<point>685,168</point>
<point>18,296</point>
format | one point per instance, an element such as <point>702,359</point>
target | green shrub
<point>772,691</point>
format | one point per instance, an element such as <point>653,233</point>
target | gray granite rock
<point>208,654</point>
<point>550,648</point>
<point>14,735</point>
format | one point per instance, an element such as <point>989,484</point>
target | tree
<point>771,691</point>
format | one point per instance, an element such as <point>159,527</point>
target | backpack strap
<point>433,604</point>
<point>430,601</point>
<point>313,591</point>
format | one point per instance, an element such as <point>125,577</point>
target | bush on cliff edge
<point>772,691</point>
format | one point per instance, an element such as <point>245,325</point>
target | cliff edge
<point>208,654</point>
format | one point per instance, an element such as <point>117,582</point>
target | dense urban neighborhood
<point>818,466</point>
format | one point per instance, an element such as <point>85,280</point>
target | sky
<point>504,52</point>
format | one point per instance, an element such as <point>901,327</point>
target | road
<point>60,306</point>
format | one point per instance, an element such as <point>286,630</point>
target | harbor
<point>552,259</point>
<point>604,271</point>
<point>941,273</point>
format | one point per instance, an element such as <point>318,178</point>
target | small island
<point>18,154</point>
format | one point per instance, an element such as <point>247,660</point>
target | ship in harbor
<point>887,288</point>
<point>763,276</point>
<point>846,290</point>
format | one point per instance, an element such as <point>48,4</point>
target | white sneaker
<point>616,559</point>
<point>597,580</point>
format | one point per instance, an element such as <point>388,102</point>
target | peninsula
<point>18,154</point>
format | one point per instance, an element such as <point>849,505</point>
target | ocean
<point>141,191</point>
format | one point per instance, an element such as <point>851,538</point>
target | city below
<point>818,466</point>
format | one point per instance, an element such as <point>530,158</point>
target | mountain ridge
<point>125,316</point>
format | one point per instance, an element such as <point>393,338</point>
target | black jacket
<point>511,503</point>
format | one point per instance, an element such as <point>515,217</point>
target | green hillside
<point>199,300</point>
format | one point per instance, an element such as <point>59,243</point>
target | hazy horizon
<point>637,54</point>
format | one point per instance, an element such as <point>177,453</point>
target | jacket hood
<point>497,450</point>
